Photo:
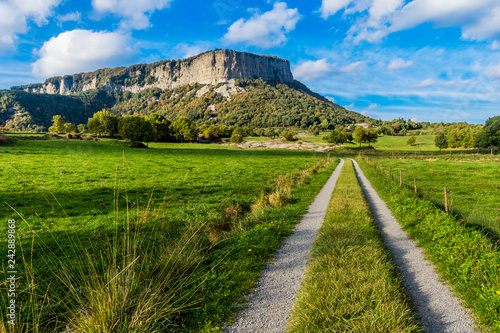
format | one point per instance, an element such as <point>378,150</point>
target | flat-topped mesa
<point>210,68</point>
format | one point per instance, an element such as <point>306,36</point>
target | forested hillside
<point>259,105</point>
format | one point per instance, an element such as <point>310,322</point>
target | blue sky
<point>427,60</point>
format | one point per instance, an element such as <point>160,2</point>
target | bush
<point>236,138</point>
<point>5,140</point>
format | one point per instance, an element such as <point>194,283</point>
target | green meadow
<point>168,238</point>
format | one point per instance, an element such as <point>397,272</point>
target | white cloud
<point>349,106</point>
<point>330,7</point>
<point>352,67</point>
<point>424,83</point>
<point>15,16</point>
<point>264,30</point>
<point>75,17</point>
<point>373,106</point>
<point>80,51</point>
<point>493,72</point>
<point>134,13</point>
<point>311,70</point>
<point>479,19</point>
<point>398,64</point>
<point>186,50</point>
<point>495,45</point>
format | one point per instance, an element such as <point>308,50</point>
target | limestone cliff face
<point>210,68</point>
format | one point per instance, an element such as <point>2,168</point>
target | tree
<point>236,138</point>
<point>184,130</point>
<point>288,135</point>
<point>57,124</point>
<point>103,122</point>
<point>136,129</point>
<point>82,128</point>
<point>411,141</point>
<point>69,128</point>
<point>490,135</point>
<point>362,135</point>
<point>440,141</point>
<point>162,126</point>
<point>338,137</point>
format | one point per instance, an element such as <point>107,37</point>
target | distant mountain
<point>221,86</point>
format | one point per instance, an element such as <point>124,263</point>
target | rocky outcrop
<point>209,68</point>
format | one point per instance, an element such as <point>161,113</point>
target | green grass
<point>471,179</point>
<point>351,284</point>
<point>468,258</point>
<point>395,143</point>
<point>209,213</point>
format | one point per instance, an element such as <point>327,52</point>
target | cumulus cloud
<point>398,64</point>
<point>373,106</point>
<point>264,30</point>
<point>424,83</point>
<point>479,19</point>
<point>317,69</point>
<point>312,70</point>
<point>17,14</point>
<point>134,13</point>
<point>80,51</point>
<point>331,7</point>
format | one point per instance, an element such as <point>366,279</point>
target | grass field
<point>184,228</point>
<point>351,284</point>
<point>472,180</point>
<point>468,259</point>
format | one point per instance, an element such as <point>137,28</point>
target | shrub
<point>236,138</point>
<point>5,140</point>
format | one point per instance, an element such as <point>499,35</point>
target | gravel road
<point>438,309</point>
<point>269,307</point>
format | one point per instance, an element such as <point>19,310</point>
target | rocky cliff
<point>208,68</point>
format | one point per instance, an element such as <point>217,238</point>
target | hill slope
<point>215,87</point>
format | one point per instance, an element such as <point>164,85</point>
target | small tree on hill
<point>411,141</point>
<point>136,129</point>
<point>338,137</point>
<point>440,141</point>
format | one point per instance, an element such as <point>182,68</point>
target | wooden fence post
<point>400,177</point>
<point>415,184</point>
<point>445,200</point>
<point>390,172</point>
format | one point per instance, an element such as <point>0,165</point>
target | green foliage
<point>58,123</point>
<point>82,129</point>
<point>185,130</point>
<point>103,122</point>
<point>363,135</point>
<point>491,133</point>
<point>136,129</point>
<point>236,138</point>
<point>163,127</point>
<point>440,141</point>
<point>288,135</point>
<point>69,128</point>
<point>338,137</point>
<point>411,141</point>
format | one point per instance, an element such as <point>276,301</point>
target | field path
<point>438,309</point>
<point>269,308</point>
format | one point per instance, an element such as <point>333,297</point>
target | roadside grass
<point>467,258</point>
<point>351,283</point>
<point>472,182</point>
<point>115,239</point>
